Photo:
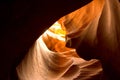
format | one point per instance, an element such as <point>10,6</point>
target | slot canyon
<point>60,40</point>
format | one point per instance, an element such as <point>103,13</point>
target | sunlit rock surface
<point>96,27</point>
<point>49,59</point>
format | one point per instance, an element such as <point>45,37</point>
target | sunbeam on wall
<point>50,59</point>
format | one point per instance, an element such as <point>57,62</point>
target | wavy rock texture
<point>22,22</point>
<point>49,59</point>
<point>94,33</point>
<point>96,29</point>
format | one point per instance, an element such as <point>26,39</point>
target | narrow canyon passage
<point>50,59</point>
<point>82,44</point>
<point>93,33</point>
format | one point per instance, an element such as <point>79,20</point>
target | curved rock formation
<point>95,29</point>
<point>50,59</point>
<point>22,22</point>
